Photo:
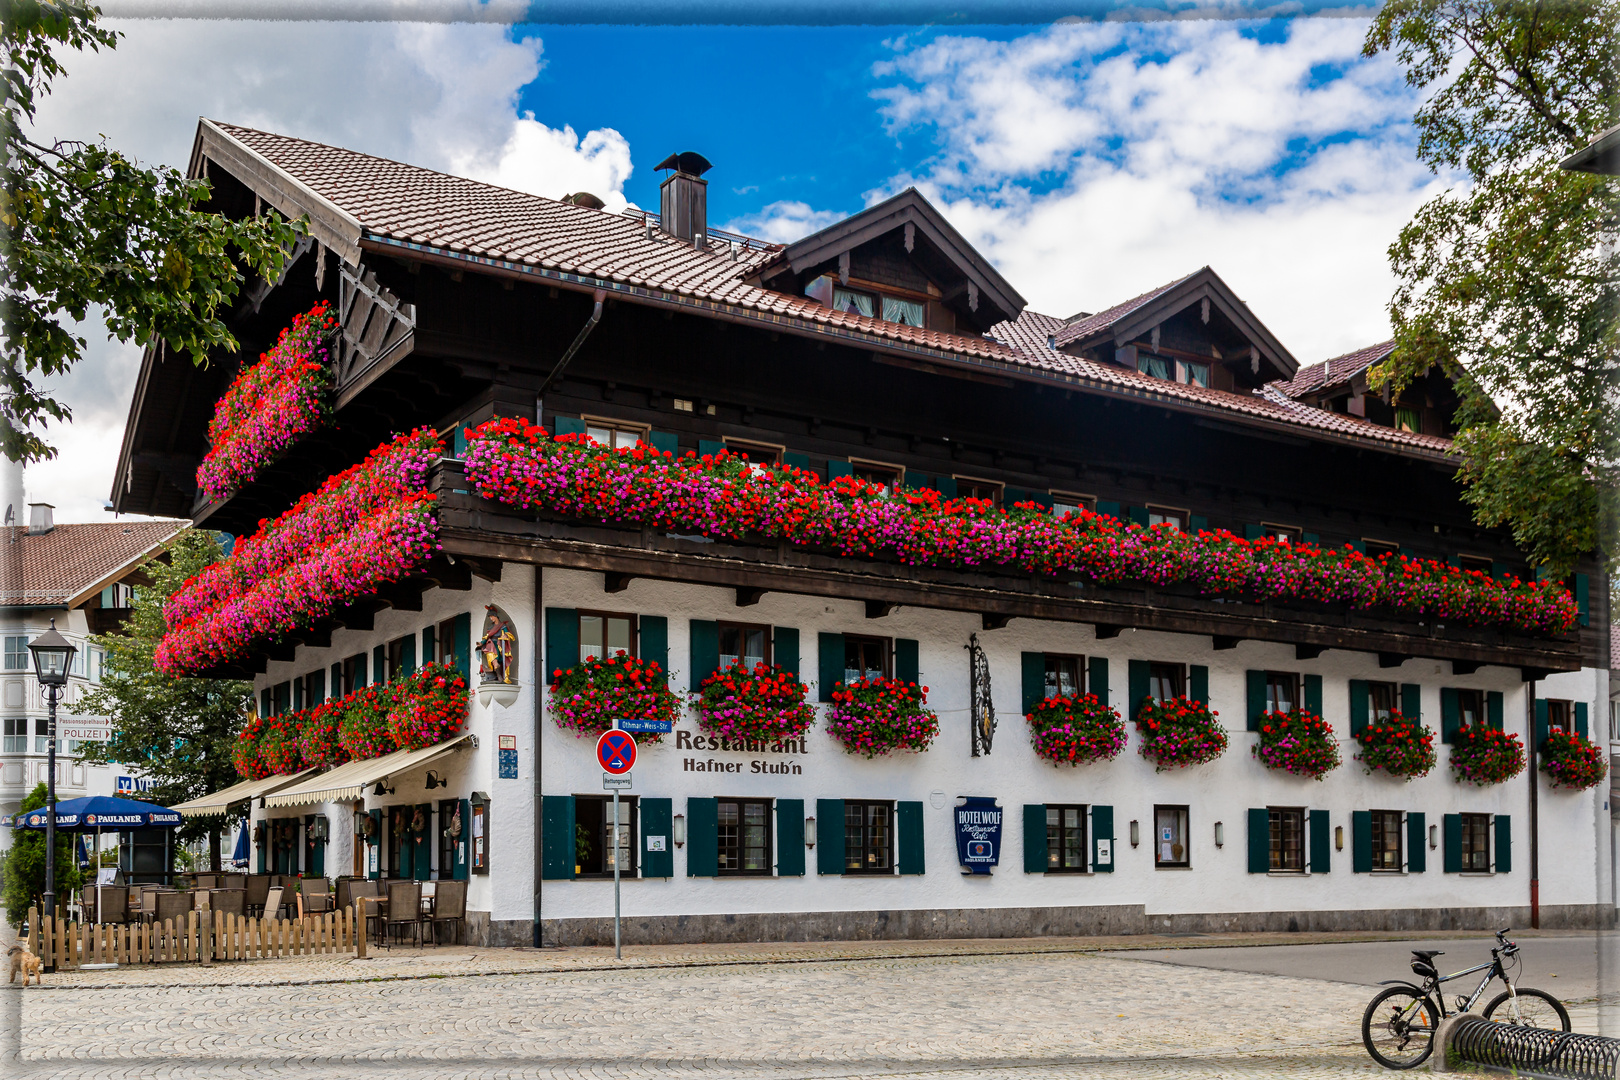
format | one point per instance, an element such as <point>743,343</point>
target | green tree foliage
<point>1507,281</point>
<point>178,732</point>
<point>82,225</point>
<point>22,869</point>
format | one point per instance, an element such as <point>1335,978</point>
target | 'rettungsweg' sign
<point>978,834</point>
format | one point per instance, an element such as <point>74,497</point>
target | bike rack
<point>1466,1040</point>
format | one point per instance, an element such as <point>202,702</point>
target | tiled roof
<point>1089,325</point>
<point>51,569</point>
<point>1335,372</point>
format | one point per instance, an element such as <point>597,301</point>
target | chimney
<point>40,518</point>
<point>683,198</point>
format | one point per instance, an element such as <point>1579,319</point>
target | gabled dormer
<point>1194,330</point>
<point>1425,406</point>
<point>899,261</point>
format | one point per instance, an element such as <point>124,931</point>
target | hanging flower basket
<point>1402,748</point>
<point>280,747</point>
<point>766,704</point>
<point>1571,761</point>
<point>247,752</point>
<point>319,739</point>
<point>1179,732</point>
<point>1297,742</point>
<point>363,728</point>
<point>879,716</point>
<point>1483,755</point>
<point>1075,729</point>
<point>587,697</point>
<point>429,706</point>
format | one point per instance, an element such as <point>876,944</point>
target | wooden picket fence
<point>202,938</point>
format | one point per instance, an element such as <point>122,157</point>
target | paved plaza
<point>1046,1009</point>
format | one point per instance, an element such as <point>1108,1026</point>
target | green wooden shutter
<point>785,648</point>
<point>1359,545</point>
<point>830,662</point>
<point>459,652</point>
<point>423,860</point>
<point>1450,715</point>
<point>266,701</point>
<point>430,646</point>
<point>1583,599</point>
<point>407,656</point>
<point>1253,532</point>
<point>1504,844</point>
<point>1259,840</point>
<point>917,480</point>
<point>379,664</point>
<point>1137,514</point>
<point>463,843</point>
<point>702,838</point>
<point>654,644</point>
<point>1312,538</point>
<point>1581,726</point>
<point>337,680</point>
<point>1140,687</point>
<point>1033,666</point>
<point>665,442</point>
<point>709,447</point>
<point>910,832</point>
<point>1257,698</point>
<point>567,425</point>
<point>1360,706</point>
<point>1313,694</point>
<point>837,468</point>
<point>318,686</point>
<point>1417,842</point>
<point>790,837</point>
<point>1361,841</point>
<point>792,460</point>
<point>298,694</point>
<point>1451,844</point>
<point>1493,708</point>
<point>829,835</point>
<point>375,841</point>
<point>1197,523</point>
<point>1499,570</point>
<point>657,819</point>
<point>1099,678</point>
<point>946,486</point>
<point>907,668</point>
<point>1542,723</point>
<point>1321,843</point>
<point>704,638</point>
<point>1412,701</point>
<point>1102,828</point>
<point>1198,680</point>
<point>557,851</point>
<point>1034,837</point>
<point>1107,508</point>
<point>562,641</point>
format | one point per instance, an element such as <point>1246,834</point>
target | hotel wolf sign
<point>978,834</point>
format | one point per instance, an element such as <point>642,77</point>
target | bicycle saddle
<point>1427,954</point>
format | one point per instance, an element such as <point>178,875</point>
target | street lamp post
<point>52,655</point>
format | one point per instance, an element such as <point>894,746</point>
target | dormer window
<point>1182,371</point>
<point>890,308</point>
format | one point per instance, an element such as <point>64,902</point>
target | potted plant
<point>1298,742</point>
<point>1179,732</point>
<point>763,704</point>
<point>1571,761</point>
<point>1074,729</point>
<point>587,697</point>
<point>1484,755</point>
<point>879,716</point>
<point>1399,746</point>
<point>428,706</point>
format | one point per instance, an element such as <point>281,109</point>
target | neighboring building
<point>1426,406</point>
<point>883,347</point>
<point>83,576</point>
<point>1601,155</point>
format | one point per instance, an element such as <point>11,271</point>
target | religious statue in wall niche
<point>497,649</point>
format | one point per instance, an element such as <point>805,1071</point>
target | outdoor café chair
<point>404,908</point>
<point>206,880</point>
<point>258,885</point>
<point>449,905</point>
<point>114,904</point>
<point>172,905</point>
<point>272,903</point>
<point>229,901</point>
<point>317,896</point>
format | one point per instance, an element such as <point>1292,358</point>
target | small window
<point>447,843</point>
<point>354,673</point>
<point>1614,721</point>
<point>42,731</point>
<point>1282,691</point>
<point>1156,366</point>
<point>865,658</point>
<point>1170,836</point>
<point>1470,707</point>
<point>1064,676</point>
<point>1066,839</point>
<point>1386,839</point>
<point>603,635</point>
<point>745,836</point>
<point>396,660</point>
<point>1476,843</point>
<point>1166,681</point>
<point>444,643</point>
<point>1408,418</point>
<point>1287,838</point>
<point>16,657</point>
<point>886,478</point>
<point>1290,533</point>
<point>76,665</point>
<point>1561,716</point>
<point>1164,515</point>
<point>762,457</point>
<point>15,735</point>
<point>98,666</point>
<point>750,644</point>
<point>1375,548</point>
<point>868,837</point>
<point>614,433</point>
<point>969,488</point>
<point>1475,562</point>
<point>314,689</point>
<point>594,850</point>
<point>905,312</point>
<point>1067,502</point>
<point>856,303</point>
<point>1382,700</point>
<point>1192,373</point>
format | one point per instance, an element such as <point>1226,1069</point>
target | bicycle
<point>1399,1024</point>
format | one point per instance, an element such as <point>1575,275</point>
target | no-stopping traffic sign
<point>616,751</point>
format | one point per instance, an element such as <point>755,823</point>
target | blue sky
<point>1090,161</point>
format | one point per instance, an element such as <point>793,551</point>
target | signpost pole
<point>616,752</point>
<point>617,954</point>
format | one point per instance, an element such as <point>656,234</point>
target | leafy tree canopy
<point>1507,281</point>
<point>82,225</point>
<point>22,868</point>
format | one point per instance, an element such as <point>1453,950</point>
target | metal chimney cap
<point>689,162</point>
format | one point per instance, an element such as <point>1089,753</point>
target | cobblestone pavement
<point>1048,1015</point>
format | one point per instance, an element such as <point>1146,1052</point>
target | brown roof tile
<point>52,569</point>
<point>1335,372</point>
<point>1090,324</point>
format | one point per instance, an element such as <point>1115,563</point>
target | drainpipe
<point>539,711</point>
<point>1535,831</point>
<point>579,339</point>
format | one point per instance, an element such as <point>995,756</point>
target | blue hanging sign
<point>978,834</point>
<point>646,727</point>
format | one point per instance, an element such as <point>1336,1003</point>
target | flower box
<point>1298,742</point>
<point>880,716</point>
<point>765,704</point>
<point>427,706</point>
<point>1075,729</point>
<point>1483,755</point>
<point>1401,747</point>
<point>1571,761</point>
<point>587,697</point>
<point>1179,732</point>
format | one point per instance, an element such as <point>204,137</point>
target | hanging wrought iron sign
<point>981,711</point>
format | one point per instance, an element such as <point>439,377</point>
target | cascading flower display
<point>724,496</point>
<point>280,746</point>
<point>1178,732</point>
<point>589,696</point>
<point>363,722</point>
<point>1400,746</point>
<point>1074,729</point>
<point>1571,761</point>
<point>764,703</point>
<point>1483,755</point>
<point>245,752</point>
<point>1298,742</point>
<point>428,706</point>
<point>879,716</point>
<point>366,526</point>
<point>318,739</point>
<point>271,405</point>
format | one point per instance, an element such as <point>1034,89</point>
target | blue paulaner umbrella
<point>96,812</point>
<point>239,857</point>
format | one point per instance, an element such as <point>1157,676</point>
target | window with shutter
<point>1102,839</point>
<point>1065,834</point>
<point>790,837</point>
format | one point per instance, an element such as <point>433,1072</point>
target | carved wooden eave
<point>375,331</point>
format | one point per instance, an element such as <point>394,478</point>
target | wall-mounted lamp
<point>382,788</point>
<point>1434,837</point>
<point>678,829</point>
<point>434,780</point>
<point>1220,834</point>
<point>319,829</point>
<point>1136,834</point>
<point>1338,838</point>
<point>809,832</point>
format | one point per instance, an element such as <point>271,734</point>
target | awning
<point>219,803</point>
<point>349,782</point>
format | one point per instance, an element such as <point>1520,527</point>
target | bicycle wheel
<point>1398,1027</point>
<point>1536,1008</point>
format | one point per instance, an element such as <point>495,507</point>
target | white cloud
<point>785,221</point>
<point>441,96</point>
